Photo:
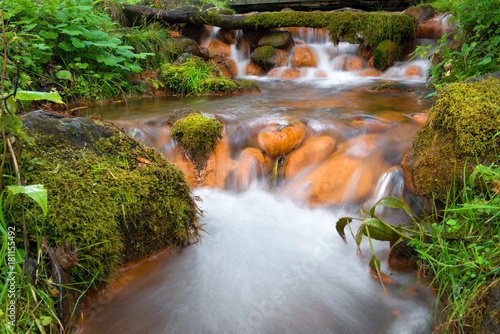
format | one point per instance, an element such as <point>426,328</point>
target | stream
<point>271,260</point>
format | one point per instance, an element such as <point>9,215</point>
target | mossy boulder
<point>277,39</point>
<point>459,133</point>
<point>386,53</point>
<point>197,133</point>
<point>483,316</point>
<point>391,87</point>
<point>114,199</point>
<point>268,57</point>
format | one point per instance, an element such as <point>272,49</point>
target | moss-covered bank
<point>460,133</point>
<point>113,198</point>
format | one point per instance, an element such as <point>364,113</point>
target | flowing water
<point>271,260</point>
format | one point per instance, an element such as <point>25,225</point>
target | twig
<point>25,236</point>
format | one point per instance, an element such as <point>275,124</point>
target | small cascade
<point>314,58</point>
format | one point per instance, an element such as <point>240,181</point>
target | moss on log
<point>368,28</point>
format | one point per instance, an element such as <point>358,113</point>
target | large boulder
<point>277,39</point>
<point>303,56</point>
<point>116,200</point>
<point>278,139</point>
<point>459,132</point>
<point>268,57</point>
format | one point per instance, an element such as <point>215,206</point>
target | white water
<point>266,266</point>
<point>330,59</point>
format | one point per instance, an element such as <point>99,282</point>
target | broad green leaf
<point>11,104</point>
<point>391,202</point>
<point>71,32</point>
<point>64,74</point>
<point>378,230</point>
<point>25,95</point>
<point>45,320</point>
<point>341,224</point>
<point>36,192</point>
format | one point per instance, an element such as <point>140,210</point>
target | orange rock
<point>432,29</point>
<point>162,138</point>
<point>252,164</point>
<point>412,70</point>
<point>370,73</point>
<point>407,171</point>
<point>217,48</point>
<point>420,118</point>
<point>227,66</point>
<point>320,74</point>
<point>174,33</point>
<point>227,36</point>
<point>299,42</point>
<point>254,69</point>
<point>371,62</point>
<point>304,57</point>
<point>291,73</point>
<point>314,150</point>
<point>353,64</point>
<point>274,73</point>
<point>345,177</point>
<point>278,139</point>
<point>218,167</point>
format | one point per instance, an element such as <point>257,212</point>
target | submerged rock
<point>390,87</point>
<point>101,200</point>
<point>278,139</point>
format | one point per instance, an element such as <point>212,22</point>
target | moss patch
<point>483,316</point>
<point>386,53</point>
<point>459,133</point>
<point>103,200</point>
<point>391,87</point>
<point>197,133</point>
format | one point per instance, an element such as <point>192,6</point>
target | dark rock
<point>79,131</point>
<point>196,31</point>
<point>421,13</point>
<point>390,87</point>
<point>482,77</point>
<point>227,36</point>
<point>268,57</point>
<point>187,45</point>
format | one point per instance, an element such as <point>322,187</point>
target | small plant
<point>198,134</point>
<point>458,248</point>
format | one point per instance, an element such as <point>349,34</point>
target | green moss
<point>386,53</point>
<point>198,134</point>
<point>105,203</point>
<point>459,133</point>
<point>222,11</point>
<point>277,39</point>
<point>483,315</point>
<point>368,28</point>
<point>391,86</point>
<point>247,85</point>
<point>218,85</point>
<point>264,56</point>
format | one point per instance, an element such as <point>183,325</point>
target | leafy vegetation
<point>459,247</point>
<point>75,48</point>
<point>194,76</point>
<point>475,49</point>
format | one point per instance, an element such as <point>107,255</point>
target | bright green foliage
<point>476,47</point>
<point>198,134</point>
<point>462,128</point>
<point>153,39</point>
<point>194,76</point>
<point>67,45</point>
